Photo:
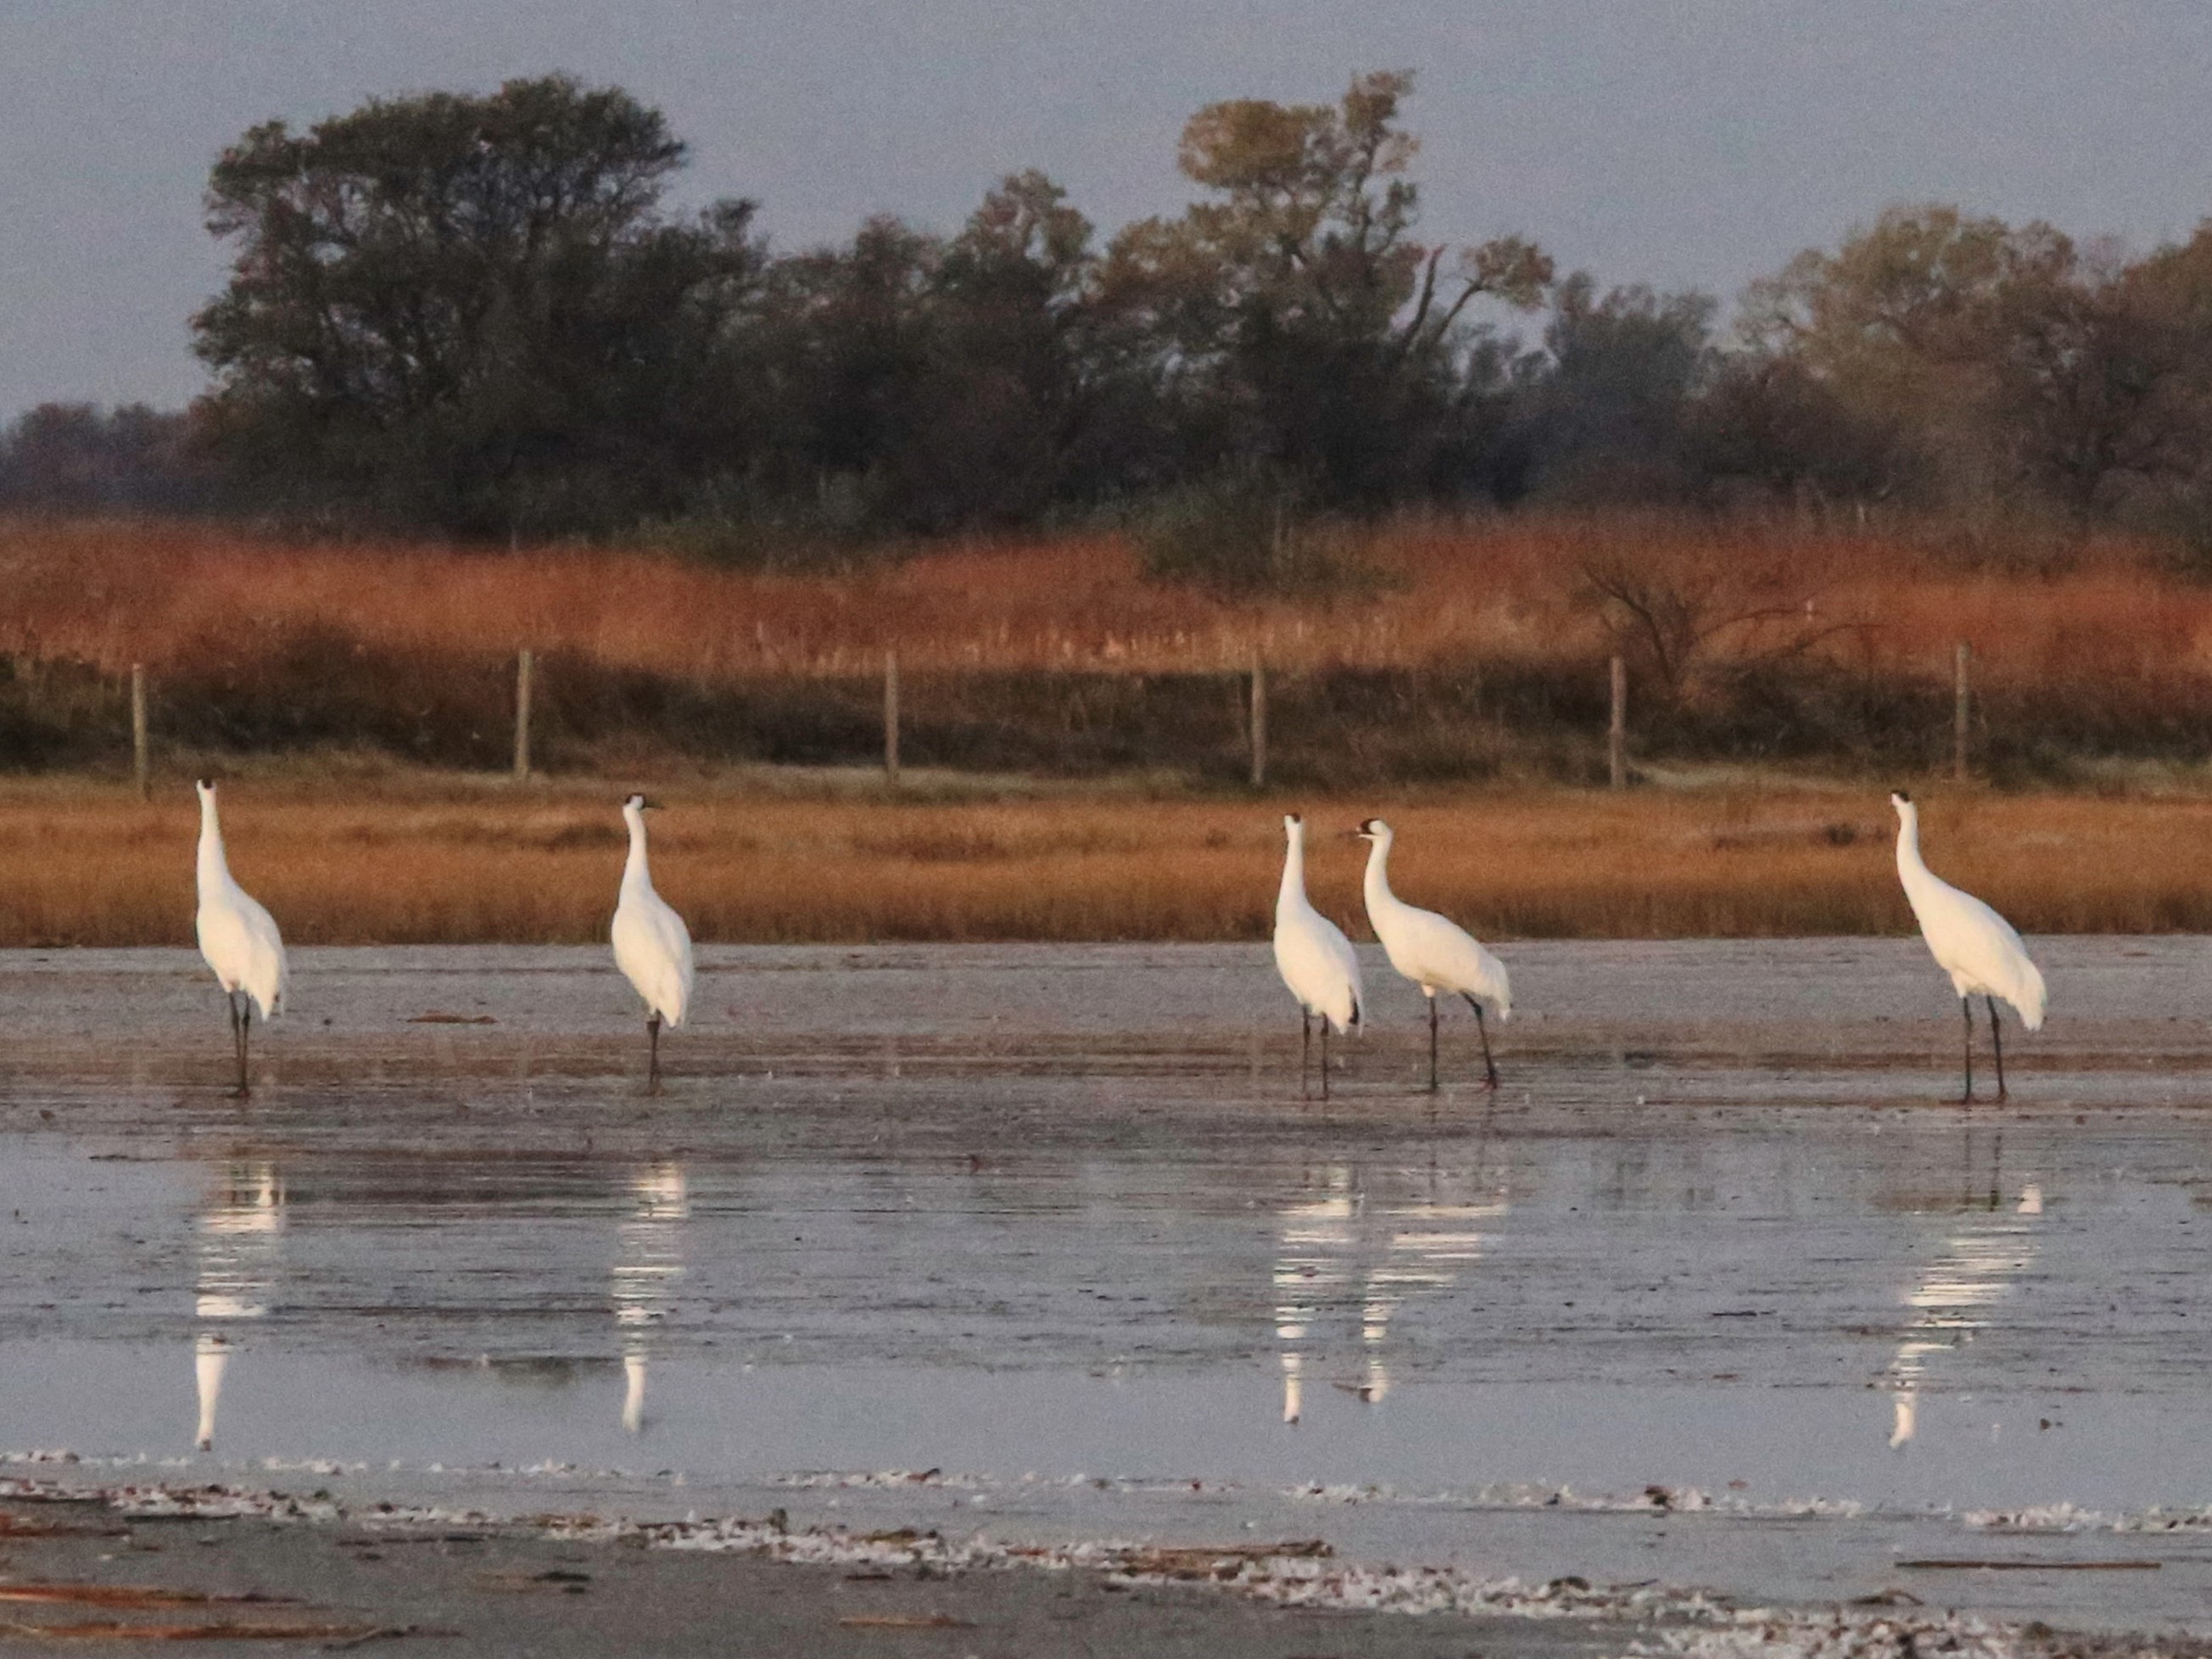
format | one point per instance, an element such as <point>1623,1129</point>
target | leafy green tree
<point>1602,413</point>
<point>2151,375</point>
<point>75,458</point>
<point>845,332</point>
<point>1766,431</point>
<point>1296,306</point>
<point>927,385</point>
<point>478,313</point>
<point>2081,393</point>
<point>1011,415</point>
<point>468,311</point>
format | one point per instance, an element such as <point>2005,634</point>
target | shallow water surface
<point>1049,1241</point>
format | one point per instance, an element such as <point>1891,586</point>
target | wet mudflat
<point>1035,1246</point>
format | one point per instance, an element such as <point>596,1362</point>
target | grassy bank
<point>1460,652</point>
<point>388,857</point>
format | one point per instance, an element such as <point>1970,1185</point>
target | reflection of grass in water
<point>412,858</point>
<point>524,1370</point>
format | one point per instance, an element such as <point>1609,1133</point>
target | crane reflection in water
<point>1993,1245</point>
<point>1356,1245</point>
<point>648,1264</point>
<point>240,1246</point>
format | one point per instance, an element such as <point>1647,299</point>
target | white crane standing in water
<point>238,938</point>
<point>1970,941</point>
<point>1314,957</point>
<point>1433,951</point>
<point>652,947</point>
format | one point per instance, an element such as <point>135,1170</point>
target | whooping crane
<point>1434,952</point>
<point>238,938</point>
<point>1971,942</point>
<point>1314,957</point>
<point>652,945</point>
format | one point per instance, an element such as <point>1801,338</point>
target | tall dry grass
<point>1476,653</point>
<point>178,597</point>
<point>416,860</point>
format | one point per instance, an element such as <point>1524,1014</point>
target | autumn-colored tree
<point>1897,319</point>
<point>1914,289</point>
<point>2021,367</point>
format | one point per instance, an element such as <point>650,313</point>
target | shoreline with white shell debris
<point>266,1562</point>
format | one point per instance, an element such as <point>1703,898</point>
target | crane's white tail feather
<point>1342,1008</point>
<point>2027,995</point>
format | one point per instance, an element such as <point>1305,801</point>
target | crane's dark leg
<point>1305,1049</point>
<point>1966,1007</point>
<point>1489,1065</point>
<point>1324,1056</point>
<point>237,1042</point>
<point>1432,1042</point>
<point>1996,1041</point>
<point>652,1066</point>
<point>244,1042</point>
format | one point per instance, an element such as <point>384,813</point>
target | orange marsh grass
<point>419,860</point>
<point>182,598</point>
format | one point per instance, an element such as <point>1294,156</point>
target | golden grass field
<point>354,848</point>
<point>419,857</point>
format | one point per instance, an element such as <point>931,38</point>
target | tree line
<point>480,316</point>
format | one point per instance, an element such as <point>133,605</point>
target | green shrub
<point>1246,530</point>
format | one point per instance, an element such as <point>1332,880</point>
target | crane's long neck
<point>214,868</point>
<point>1911,869</point>
<point>1294,869</point>
<point>1377,883</point>
<point>635,875</point>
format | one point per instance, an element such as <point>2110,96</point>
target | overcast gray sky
<point>1682,143</point>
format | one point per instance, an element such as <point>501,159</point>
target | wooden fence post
<point>1961,709</point>
<point>141,758</point>
<point>1617,734</point>
<point>1259,719</point>
<point>524,667</point>
<point>890,718</point>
